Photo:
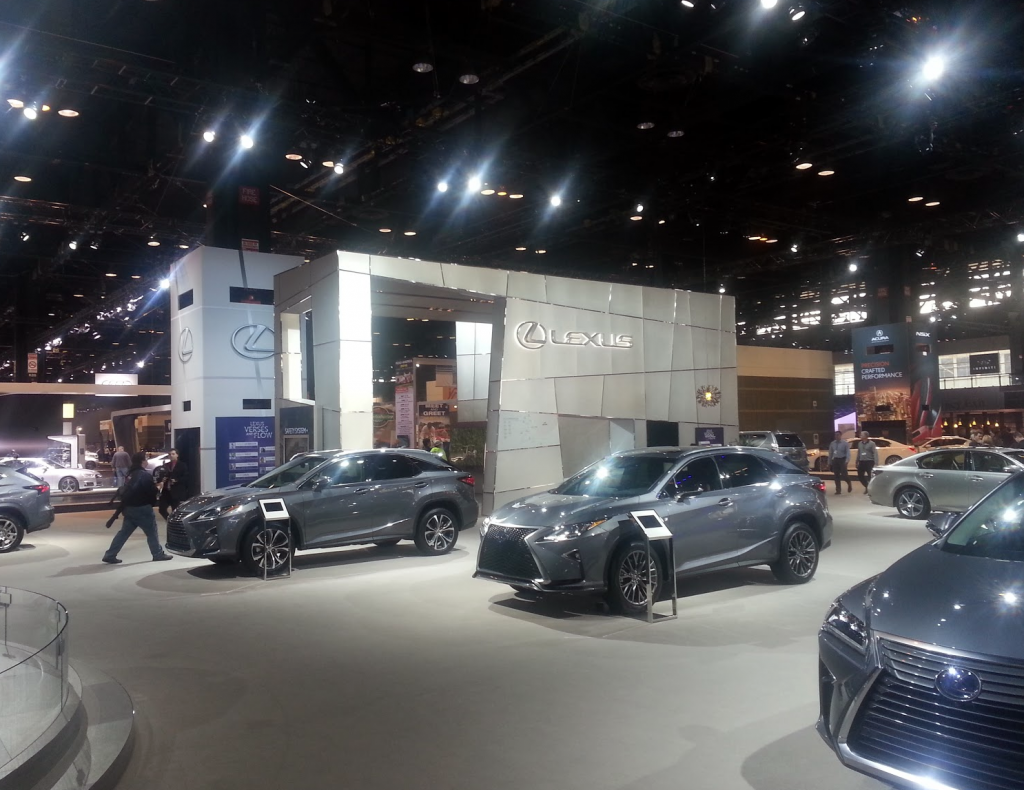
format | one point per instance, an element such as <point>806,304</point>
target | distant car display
<point>944,441</point>
<point>786,443</point>
<point>60,477</point>
<point>889,452</point>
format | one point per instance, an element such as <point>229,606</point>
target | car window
<point>782,466</point>
<point>1016,455</point>
<point>948,459</point>
<point>882,442</point>
<point>990,462</point>
<point>750,439</point>
<point>788,440</point>
<point>287,473</point>
<point>343,471</point>
<point>994,528</point>
<point>618,476</point>
<point>698,476</point>
<point>740,469</point>
<point>390,466</point>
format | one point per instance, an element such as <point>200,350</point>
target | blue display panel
<point>245,449</point>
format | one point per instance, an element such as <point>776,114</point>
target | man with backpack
<point>138,496</point>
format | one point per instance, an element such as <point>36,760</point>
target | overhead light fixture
<point>78,296</point>
<point>721,289</point>
<point>23,179</point>
<point>523,249</point>
<point>826,172</point>
<point>30,112</point>
<point>304,164</point>
<point>933,68</point>
<point>675,133</point>
<point>541,252</point>
<point>422,67</point>
<point>754,238</point>
<point>932,204</point>
<point>852,266</point>
<point>639,208</point>
<point>919,252</point>
<point>111,274</point>
<point>16,104</point>
<point>915,199</point>
<point>140,364</point>
<point>487,192</point>
<point>67,112</point>
<point>661,222</point>
<point>771,241</point>
<point>636,218</point>
<point>45,108</point>
<point>409,233</point>
<point>804,165</point>
<point>502,193</point>
<point>153,241</point>
<point>24,235</point>
<point>73,245</point>
<point>474,183</point>
<point>339,168</point>
<point>293,157</point>
<point>769,3</point>
<point>94,244</point>
<point>442,186</point>
<point>645,125</point>
<point>209,135</point>
<point>556,200</point>
<point>384,230</point>
<point>469,79</point>
<point>687,3</point>
<point>183,246</point>
<point>165,284</point>
<point>794,248</point>
<point>515,196</point>
<point>246,141</point>
<point>1020,237</point>
<point>136,276</point>
<point>796,13</point>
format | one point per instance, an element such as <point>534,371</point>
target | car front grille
<point>177,538</point>
<point>905,723</point>
<point>505,553</point>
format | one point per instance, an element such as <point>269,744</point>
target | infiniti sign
<point>533,335</point>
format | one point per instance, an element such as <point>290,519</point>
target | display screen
<point>273,507</point>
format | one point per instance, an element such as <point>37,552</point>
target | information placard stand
<point>276,517</point>
<point>654,528</point>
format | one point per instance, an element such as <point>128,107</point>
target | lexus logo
<point>253,341</point>
<point>186,345</point>
<point>533,335</point>
<point>958,684</point>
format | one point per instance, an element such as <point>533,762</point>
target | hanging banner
<point>405,414</point>
<point>984,364</point>
<point>245,449</point>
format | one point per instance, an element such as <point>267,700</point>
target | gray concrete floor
<point>375,668</point>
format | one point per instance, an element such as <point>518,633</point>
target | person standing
<point>121,462</point>
<point>838,461</point>
<point>137,502</point>
<point>173,484</point>
<point>438,450</point>
<point>867,457</point>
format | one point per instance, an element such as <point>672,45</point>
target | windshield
<point>995,527</point>
<point>788,440</point>
<point>618,476</point>
<point>288,473</point>
<point>1016,455</point>
<point>754,439</point>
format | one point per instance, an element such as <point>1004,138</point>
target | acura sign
<point>533,335</point>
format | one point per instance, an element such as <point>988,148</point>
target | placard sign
<point>245,449</point>
<point>984,364</point>
<point>652,524</point>
<point>709,435</point>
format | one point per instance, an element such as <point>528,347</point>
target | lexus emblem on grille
<point>957,684</point>
<point>253,341</point>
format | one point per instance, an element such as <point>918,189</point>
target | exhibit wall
<point>576,368</point>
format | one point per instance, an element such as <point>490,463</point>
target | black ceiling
<point>563,86</point>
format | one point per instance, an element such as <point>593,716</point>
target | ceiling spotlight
<point>209,135</point>
<point>661,222</point>
<point>153,241</point>
<point>469,79</point>
<point>409,233</point>
<point>915,199</point>
<point>771,241</point>
<point>442,186</point>
<point>165,284</point>
<point>31,113</point>
<point>541,252</point>
<point>246,141</point>
<point>474,184</point>
<point>919,252</point>
<point>140,364</point>
<point>183,246</point>
<point>645,125</point>
<point>796,13</point>
<point>636,218</point>
<point>339,168</point>
<point>1020,237</point>
<point>24,235</point>
<point>23,179</point>
<point>556,200</point>
<point>111,274</point>
<point>291,156</point>
<point>794,248</point>
<point>769,3</point>
<point>721,289</point>
<point>422,67</point>
<point>94,244</point>
<point>826,172</point>
<point>687,3</point>
<point>675,133</point>
<point>73,245</point>
<point>515,196</point>
<point>328,163</point>
<point>639,208</point>
<point>804,165</point>
<point>487,192</point>
<point>523,249</point>
<point>933,68</point>
<point>384,230</point>
<point>45,108</point>
<point>16,104</point>
<point>68,113</point>
<point>853,266</point>
<point>932,204</point>
<point>304,164</point>
<point>754,238</point>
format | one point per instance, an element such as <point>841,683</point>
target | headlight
<point>846,625</point>
<point>484,525</point>
<point>217,512</point>
<point>570,531</point>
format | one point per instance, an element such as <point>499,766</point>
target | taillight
<point>42,488</point>
<point>820,485</point>
<point>468,479</point>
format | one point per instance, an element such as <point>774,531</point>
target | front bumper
<point>194,538</point>
<point>516,555</point>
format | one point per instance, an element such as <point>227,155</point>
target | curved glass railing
<point>33,668</point>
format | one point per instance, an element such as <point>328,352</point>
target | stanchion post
<point>654,528</point>
<point>275,515</point>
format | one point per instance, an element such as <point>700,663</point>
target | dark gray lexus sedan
<point>726,507</point>
<point>334,499</point>
<point>921,671</point>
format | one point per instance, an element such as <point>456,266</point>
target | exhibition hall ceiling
<point>647,141</point>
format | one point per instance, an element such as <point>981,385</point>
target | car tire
<point>912,502</point>
<point>437,531</point>
<point>386,544</point>
<point>821,464</point>
<point>798,555</point>
<point>90,464</point>
<point>627,578</point>
<point>67,485</point>
<point>12,532</point>
<point>892,459</point>
<point>266,546</point>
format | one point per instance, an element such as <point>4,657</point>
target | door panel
<point>701,519</point>
<point>943,477</point>
<point>987,471</point>
<point>750,484</point>
<point>397,486</point>
<point>337,513</point>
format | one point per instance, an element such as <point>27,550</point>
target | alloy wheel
<point>633,577</point>
<point>270,549</point>
<point>910,503</point>
<point>801,553</point>
<point>68,485</point>
<point>8,533</point>
<point>439,532</point>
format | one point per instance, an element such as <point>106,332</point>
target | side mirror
<point>940,523</point>
<point>319,484</point>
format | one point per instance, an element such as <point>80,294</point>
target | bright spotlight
<point>796,13</point>
<point>165,284</point>
<point>31,113</point>
<point>687,3</point>
<point>1020,237</point>
<point>209,135</point>
<point>72,245</point>
<point>852,267</point>
<point>474,184</point>
<point>246,141</point>
<point>442,186</point>
<point>339,168</point>
<point>639,208</point>
<point>556,200</point>
<point>721,289</point>
<point>769,3</point>
<point>140,364</point>
<point>933,68</point>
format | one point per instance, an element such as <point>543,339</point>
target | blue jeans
<point>142,517</point>
<point>120,475</point>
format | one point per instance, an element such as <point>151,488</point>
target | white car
<point>889,452</point>
<point>944,441</point>
<point>60,478</point>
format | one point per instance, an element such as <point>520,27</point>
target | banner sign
<point>297,420</point>
<point>984,364</point>
<point>404,372</point>
<point>405,413</point>
<point>434,410</point>
<point>33,363</point>
<point>118,379</point>
<point>709,435</point>
<point>245,449</point>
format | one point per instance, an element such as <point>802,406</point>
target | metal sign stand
<point>274,512</point>
<point>654,528</point>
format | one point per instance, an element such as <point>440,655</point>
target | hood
<point>229,495</point>
<point>550,510</point>
<point>951,600</point>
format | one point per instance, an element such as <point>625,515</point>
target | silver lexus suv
<point>334,499</point>
<point>726,507</point>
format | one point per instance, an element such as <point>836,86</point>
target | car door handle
<point>421,485</point>
<point>927,475</point>
<point>976,479</point>
<point>725,502</point>
<point>361,490</point>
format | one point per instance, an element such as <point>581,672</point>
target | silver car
<point>921,671</point>
<point>947,480</point>
<point>786,443</point>
<point>727,507</point>
<point>24,507</point>
<point>61,478</point>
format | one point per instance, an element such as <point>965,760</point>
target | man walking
<point>137,502</point>
<point>173,484</point>
<point>867,457</point>
<point>838,460</point>
<point>121,462</point>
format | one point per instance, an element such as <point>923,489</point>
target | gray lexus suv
<point>726,507</point>
<point>921,671</point>
<point>334,499</point>
<point>24,507</point>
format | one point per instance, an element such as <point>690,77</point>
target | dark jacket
<point>139,489</point>
<point>175,481</point>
